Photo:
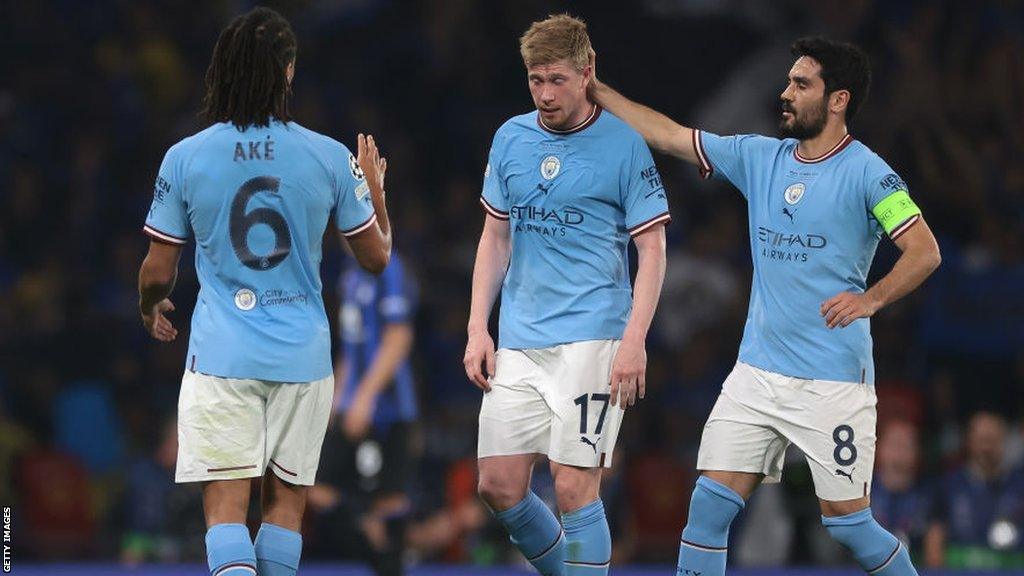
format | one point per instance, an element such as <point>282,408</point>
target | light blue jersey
<point>573,199</point>
<point>814,227</point>
<point>257,204</point>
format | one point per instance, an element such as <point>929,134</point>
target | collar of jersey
<point>839,147</point>
<point>577,128</point>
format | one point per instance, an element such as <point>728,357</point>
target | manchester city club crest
<point>245,299</point>
<point>794,193</point>
<point>550,166</point>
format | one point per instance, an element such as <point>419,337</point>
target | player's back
<point>257,203</point>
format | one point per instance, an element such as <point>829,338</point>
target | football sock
<point>277,550</point>
<point>705,541</point>
<point>229,551</point>
<point>588,543</point>
<point>535,531</point>
<point>875,549</point>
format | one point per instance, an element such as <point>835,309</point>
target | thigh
<point>739,435</point>
<point>576,386</point>
<point>835,428</point>
<point>221,432</point>
<point>514,419</point>
<point>297,417</point>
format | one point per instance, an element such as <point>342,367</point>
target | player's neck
<point>581,116</point>
<point>823,143</point>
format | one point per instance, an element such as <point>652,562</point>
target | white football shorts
<point>230,428</point>
<point>553,401</point>
<point>759,413</point>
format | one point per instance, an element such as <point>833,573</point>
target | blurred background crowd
<point>94,93</point>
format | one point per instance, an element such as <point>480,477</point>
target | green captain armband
<point>896,213</point>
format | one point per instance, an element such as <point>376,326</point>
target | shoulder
<point>316,140</point>
<point>873,169</point>
<point>867,159</point>
<point>747,142</point>
<point>188,145</point>
<point>614,126</point>
<point>512,131</point>
<point>517,125</point>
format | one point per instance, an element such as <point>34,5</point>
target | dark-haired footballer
<point>255,191</point>
<point>818,203</point>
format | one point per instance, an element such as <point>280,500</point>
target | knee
<point>283,505</point>
<point>832,509</point>
<point>500,492</point>
<point>575,489</point>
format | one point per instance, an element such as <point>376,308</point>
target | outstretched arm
<point>661,132</point>
<point>919,259</point>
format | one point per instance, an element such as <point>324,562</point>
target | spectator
<point>899,498</point>
<point>980,505</point>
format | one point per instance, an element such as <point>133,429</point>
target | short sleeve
<point>397,302</point>
<point>495,192</point>
<point>643,194</point>
<point>729,157</point>
<point>167,220</point>
<point>888,201</point>
<point>353,211</point>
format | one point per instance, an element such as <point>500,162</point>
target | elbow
<point>378,262</point>
<point>934,259</point>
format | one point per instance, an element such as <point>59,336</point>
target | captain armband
<point>896,213</point>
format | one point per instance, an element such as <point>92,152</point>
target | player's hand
<point>629,373</point>
<point>479,352</point>
<point>371,163</point>
<point>359,416</point>
<point>845,307</point>
<point>157,324</point>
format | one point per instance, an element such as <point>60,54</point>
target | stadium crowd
<point>94,93</point>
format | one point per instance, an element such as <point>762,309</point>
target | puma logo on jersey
<point>587,441</point>
<point>785,210</point>
<point>847,474</point>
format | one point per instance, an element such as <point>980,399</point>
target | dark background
<point>92,94</point>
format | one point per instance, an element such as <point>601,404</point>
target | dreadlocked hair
<point>247,81</point>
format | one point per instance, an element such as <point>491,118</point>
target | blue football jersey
<point>813,234</point>
<point>368,304</point>
<point>572,199</point>
<point>257,203</point>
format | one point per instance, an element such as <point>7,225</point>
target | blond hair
<point>559,37</point>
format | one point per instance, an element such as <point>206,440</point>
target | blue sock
<point>705,541</point>
<point>535,532</point>
<point>876,550</point>
<point>277,550</point>
<point>229,550</point>
<point>588,543</point>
